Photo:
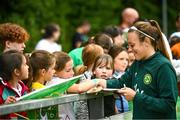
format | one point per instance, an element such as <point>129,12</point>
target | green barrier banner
<point>51,90</point>
<point>58,89</point>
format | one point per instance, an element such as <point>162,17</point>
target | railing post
<point>96,108</point>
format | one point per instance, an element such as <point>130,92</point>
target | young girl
<point>151,80</point>
<point>103,69</point>
<point>64,70</point>
<point>121,59</point>
<point>42,65</point>
<point>13,69</point>
<point>63,67</point>
<point>90,53</point>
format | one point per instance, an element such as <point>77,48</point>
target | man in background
<point>81,34</point>
<point>128,17</point>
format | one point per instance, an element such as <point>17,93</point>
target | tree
<point>34,15</point>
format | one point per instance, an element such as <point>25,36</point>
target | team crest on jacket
<point>147,79</point>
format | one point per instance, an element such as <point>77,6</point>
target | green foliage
<point>35,14</point>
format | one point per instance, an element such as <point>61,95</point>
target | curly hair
<point>12,32</point>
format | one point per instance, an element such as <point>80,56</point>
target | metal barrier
<point>96,110</point>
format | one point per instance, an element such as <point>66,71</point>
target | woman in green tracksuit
<point>151,80</point>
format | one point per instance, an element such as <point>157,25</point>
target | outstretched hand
<point>128,93</point>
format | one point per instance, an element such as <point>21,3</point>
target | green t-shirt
<point>76,56</point>
<point>155,83</point>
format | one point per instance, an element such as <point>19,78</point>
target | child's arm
<point>116,110</point>
<point>82,87</point>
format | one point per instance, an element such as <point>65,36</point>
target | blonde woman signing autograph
<point>151,80</point>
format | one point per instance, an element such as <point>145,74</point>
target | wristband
<point>95,81</point>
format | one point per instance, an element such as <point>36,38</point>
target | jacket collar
<point>6,84</point>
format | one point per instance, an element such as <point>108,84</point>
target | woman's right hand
<point>10,99</point>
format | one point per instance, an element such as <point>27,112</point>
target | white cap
<point>175,34</point>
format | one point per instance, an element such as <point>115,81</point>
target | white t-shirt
<point>55,80</point>
<point>48,46</point>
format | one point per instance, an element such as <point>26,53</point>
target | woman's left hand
<point>128,93</point>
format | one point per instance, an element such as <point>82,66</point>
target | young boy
<point>13,37</point>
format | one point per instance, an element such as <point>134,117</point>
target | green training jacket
<point>155,83</point>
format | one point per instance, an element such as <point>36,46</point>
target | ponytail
<point>30,77</point>
<point>160,43</point>
<point>80,69</point>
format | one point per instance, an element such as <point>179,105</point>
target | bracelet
<point>95,81</point>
